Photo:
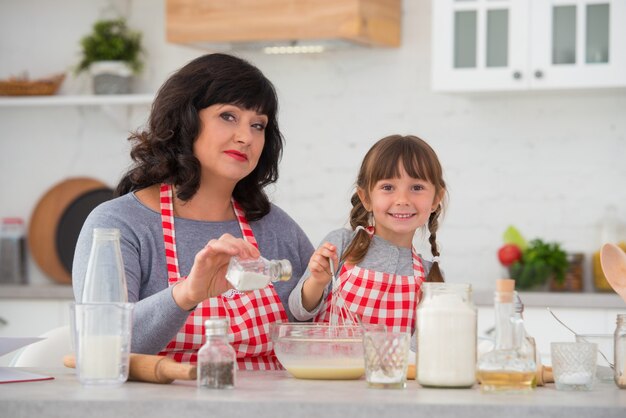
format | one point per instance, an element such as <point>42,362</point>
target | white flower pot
<point>111,77</point>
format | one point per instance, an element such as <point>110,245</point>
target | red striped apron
<point>378,297</point>
<point>250,314</point>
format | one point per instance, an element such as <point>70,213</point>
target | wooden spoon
<point>613,261</point>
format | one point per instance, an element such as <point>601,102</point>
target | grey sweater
<point>157,318</point>
<point>381,256</point>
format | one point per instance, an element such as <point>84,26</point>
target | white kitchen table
<point>276,394</point>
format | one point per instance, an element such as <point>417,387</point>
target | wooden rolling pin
<point>152,369</point>
<point>543,374</point>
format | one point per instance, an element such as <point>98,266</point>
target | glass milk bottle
<point>620,351</point>
<point>446,336</point>
<point>247,275</point>
<point>216,358</point>
<point>105,280</point>
<point>103,319</point>
<point>510,365</point>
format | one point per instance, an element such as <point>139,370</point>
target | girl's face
<point>230,142</point>
<point>400,206</point>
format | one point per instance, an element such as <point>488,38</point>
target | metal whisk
<point>339,312</point>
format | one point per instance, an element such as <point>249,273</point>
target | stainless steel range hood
<point>290,24</point>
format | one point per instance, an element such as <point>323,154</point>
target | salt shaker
<point>247,275</point>
<point>216,358</point>
<point>105,280</point>
<point>620,351</point>
<point>12,251</point>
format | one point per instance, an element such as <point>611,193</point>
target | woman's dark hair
<point>163,152</point>
<point>382,162</point>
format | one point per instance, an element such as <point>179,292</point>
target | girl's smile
<point>400,206</point>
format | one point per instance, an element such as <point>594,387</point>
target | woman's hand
<point>207,276</point>
<point>319,267</point>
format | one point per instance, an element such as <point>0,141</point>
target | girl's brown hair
<point>381,162</point>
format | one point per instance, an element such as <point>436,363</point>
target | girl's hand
<point>207,277</point>
<point>319,264</point>
<point>319,267</point>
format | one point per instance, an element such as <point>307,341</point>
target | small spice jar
<point>620,351</point>
<point>216,358</point>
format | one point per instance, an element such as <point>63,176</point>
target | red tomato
<point>509,254</point>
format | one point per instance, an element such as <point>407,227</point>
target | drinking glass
<point>386,358</point>
<point>574,365</point>
<point>103,336</point>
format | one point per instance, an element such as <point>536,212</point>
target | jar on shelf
<point>573,276</point>
<point>12,251</point>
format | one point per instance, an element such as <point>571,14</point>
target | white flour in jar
<point>446,342</point>
<point>245,281</point>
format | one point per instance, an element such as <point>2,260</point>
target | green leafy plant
<point>539,261</point>
<point>112,40</point>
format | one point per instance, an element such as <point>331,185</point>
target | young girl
<point>399,189</point>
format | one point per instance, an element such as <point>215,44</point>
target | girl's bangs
<point>413,158</point>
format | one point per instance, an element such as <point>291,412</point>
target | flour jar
<point>446,336</point>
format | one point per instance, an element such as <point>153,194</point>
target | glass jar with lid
<point>216,358</point>
<point>446,336</point>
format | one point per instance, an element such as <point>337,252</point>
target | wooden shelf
<point>77,100</point>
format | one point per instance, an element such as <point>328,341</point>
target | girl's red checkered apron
<point>377,297</point>
<point>250,314</point>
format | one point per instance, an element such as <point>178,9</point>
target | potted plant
<point>112,54</point>
<point>532,265</point>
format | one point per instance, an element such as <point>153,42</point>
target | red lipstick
<point>239,156</point>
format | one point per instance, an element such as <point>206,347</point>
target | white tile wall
<point>548,162</point>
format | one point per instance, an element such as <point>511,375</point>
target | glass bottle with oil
<point>510,365</point>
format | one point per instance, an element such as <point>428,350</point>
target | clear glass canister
<point>446,336</point>
<point>620,351</point>
<point>216,358</point>
<point>247,275</point>
<point>12,251</point>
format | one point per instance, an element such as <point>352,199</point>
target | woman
<point>212,144</point>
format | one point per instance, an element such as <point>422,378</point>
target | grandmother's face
<point>230,142</point>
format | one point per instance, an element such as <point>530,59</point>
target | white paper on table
<point>8,344</point>
<point>14,375</point>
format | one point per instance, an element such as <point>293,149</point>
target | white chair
<point>46,353</point>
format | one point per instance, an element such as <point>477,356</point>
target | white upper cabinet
<point>491,45</point>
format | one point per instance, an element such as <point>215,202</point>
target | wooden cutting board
<point>56,222</point>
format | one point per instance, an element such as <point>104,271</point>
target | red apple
<point>509,254</point>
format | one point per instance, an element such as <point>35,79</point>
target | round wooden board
<point>43,233</point>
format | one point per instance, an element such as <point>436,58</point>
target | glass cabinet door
<point>479,44</point>
<point>578,43</point>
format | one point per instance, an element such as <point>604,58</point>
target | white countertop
<point>276,394</point>
<point>481,297</point>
